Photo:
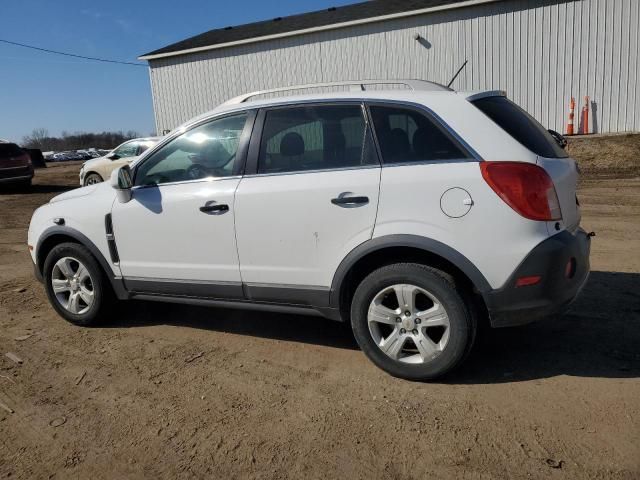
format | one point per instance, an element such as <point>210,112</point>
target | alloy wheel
<point>408,323</point>
<point>92,180</point>
<point>72,285</point>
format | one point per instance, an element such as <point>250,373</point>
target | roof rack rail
<point>357,85</point>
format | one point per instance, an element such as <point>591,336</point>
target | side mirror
<point>113,156</point>
<point>122,183</point>
<point>559,138</point>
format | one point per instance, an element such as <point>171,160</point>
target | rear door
<point>309,196</point>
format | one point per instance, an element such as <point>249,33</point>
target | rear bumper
<point>512,305</point>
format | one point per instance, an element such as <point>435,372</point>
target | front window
<point>208,150</point>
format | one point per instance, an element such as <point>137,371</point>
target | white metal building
<point>541,52</point>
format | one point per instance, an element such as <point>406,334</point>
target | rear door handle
<point>345,201</point>
<point>214,208</point>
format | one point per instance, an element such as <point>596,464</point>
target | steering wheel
<point>198,170</point>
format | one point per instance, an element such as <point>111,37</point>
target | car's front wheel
<point>92,179</point>
<point>75,284</point>
<point>411,321</point>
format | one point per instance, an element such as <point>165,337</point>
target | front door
<point>176,236</point>
<point>312,198</point>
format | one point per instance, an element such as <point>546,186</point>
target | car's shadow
<point>280,326</point>
<point>598,336</point>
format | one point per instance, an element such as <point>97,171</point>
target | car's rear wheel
<point>92,179</point>
<point>76,285</point>
<point>412,322</point>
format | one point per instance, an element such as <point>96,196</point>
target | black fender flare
<point>116,281</point>
<point>414,241</point>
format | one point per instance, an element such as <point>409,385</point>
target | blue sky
<point>39,90</point>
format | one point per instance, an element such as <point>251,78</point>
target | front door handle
<point>346,201</point>
<point>214,208</point>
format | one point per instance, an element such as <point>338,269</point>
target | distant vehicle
<point>59,157</point>
<point>15,165</point>
<point>99,169</point>
<point>84,154</point>
<point>74,155</point>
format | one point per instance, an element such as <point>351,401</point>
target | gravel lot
<point>177,392</point>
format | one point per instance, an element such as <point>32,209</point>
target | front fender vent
<point>111,239</point>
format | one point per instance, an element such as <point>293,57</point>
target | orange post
<point>572,107</point>
<point>585,116</point>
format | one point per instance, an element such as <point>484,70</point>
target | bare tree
<point>37,138</point>
<point>78,140</point>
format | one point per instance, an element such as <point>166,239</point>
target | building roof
<point>333,17</point>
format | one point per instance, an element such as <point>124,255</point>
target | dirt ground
<point>179,392</point>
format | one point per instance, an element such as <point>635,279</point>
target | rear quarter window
<point>521,126</point>
<point>406,135</point>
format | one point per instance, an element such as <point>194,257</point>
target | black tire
<point>462,320</point>
<point>92,176</point>
<point>19,186</point>
<point>104,298</point>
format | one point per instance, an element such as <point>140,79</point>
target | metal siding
<point>541,51</point>
<point>633,115</point>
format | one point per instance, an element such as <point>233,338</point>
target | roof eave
<point>322,28</point>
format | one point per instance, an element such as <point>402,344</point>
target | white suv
<point>415,214</point>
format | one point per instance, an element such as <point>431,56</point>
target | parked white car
<point>99,169</point>
<point>413,214</point>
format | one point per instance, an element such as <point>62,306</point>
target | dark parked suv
<point>15,165</point>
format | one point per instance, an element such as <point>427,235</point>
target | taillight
<point>525,187</point>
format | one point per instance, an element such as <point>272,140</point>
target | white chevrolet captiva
<point>412,211</point>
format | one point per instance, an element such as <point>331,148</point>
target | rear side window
<point>327,137</point>
<point>10,150</point>
<point>406,135</point>
<point>521,126</point>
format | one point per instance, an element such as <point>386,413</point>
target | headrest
<point>421,142</point>
<point>292,144</point>
<point>400,141</point>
